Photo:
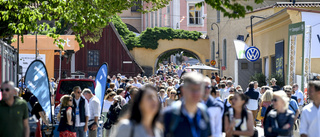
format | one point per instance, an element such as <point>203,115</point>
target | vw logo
<point>252,54</point>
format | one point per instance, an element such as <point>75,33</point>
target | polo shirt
<point>293,106</point>
<point>310,120</point>
<point>11,118</point>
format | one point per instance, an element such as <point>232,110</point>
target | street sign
<point>252,54</point>
<point>223,67</point>
<point>213,62</point>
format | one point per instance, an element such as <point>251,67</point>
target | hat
<point>273,80</point>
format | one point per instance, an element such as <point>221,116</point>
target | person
<point>121,93</point>
<point>229,86</point>
<point>21,84</point>
<point>239,121</point>
<point>113,114</point>
<point>293,105</point>
<point>265,103</point>
<point>81,110</point>
<point>280,120</point>
<point>299,94</point>
<point>310,116</point>
<point>66,117</point>
<point>253,100</point>
<point>95,111</point>
<point>13,113</point>
<point>256,86</point>
<point>188,118</point>
<point>162,97</point>
<point>107,102</point>
<point>171,99</point>
<point>136,83</point>
<point>143,118</point>
<point>217,77</point>
<point>115,81</point>
<point>274,86</point>
<point>223,91</point>
<point>214,109</point>
<point>125,109</point>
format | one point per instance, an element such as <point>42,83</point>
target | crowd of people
<point>175,102</point>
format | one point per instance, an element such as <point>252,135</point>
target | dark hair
<point>222,85</point>
<point>119,91</point>
<point>108,80</point>
<point>315,84</point>
<point>243,97</point>
<point>251,85</point>
<point>136,115</point>
<point>213,90</point>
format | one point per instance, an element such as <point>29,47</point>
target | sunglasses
<point>173,93</point>
<point>78,92</point>
<point>274,100</point>
<point>70,100</point>
<point>6,89</point>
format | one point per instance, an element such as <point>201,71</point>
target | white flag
<point>241,48</point>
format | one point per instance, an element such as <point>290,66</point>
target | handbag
<point>259,117</point>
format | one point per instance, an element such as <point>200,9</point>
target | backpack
<point>244,115</point>
<point>226,108</point>
<point>112,115</point>
<point>176,113</point>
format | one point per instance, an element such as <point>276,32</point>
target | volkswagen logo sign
<point>252,54</point>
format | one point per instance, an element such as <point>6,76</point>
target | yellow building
<point>274,30</point>
<point>231,29</point>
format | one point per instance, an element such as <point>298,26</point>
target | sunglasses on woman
<point>274,100</point>
<point>6,89</point>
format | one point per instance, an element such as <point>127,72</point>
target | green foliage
<point>230,8</point>
<point>260,77</point>
<point>279,78</point>
<point>149,38</point>
<point>87,18</point>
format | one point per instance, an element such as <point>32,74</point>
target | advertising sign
<point>26,59</point>
<point>279,49</point>
<point>241,48</point>
<point>101,83</point>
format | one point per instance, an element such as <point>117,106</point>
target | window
<point>194,15</point>
<point>244,65</point>
<point>160,18</point>
<point>213,52</point>
<point>218,16</point>
<point>167,18</point>
<point>225,52</point>
<point>256,66</point>
<point>147,20</point>
<point>93,58</point>
<point>156,18</point>
<point>152,20</point>
<point>136,6</point>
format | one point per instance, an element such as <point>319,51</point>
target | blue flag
<point>101,83</point>
<point>36,79</point>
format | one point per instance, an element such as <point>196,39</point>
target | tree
<point>87,18</point>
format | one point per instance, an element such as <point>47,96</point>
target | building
<point>231,29</point>
<point>288,55</point>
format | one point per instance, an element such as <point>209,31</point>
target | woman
<point>108,101</point>
<point>238,120</point>
<point>279,121</point>
<point>142,121</point>
<point>66,117</point>
<point>265,103</point>
<point>168,101</point>
<point>162,97</point>
<point>113,114</point>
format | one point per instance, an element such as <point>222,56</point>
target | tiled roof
<point>297,4</point>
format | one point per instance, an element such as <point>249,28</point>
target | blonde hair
<point>267,96</point>
<point>110,95</point>
<point>169,89</point>
<point>65,100</point>
<point>173,91</point>
<point>283,96</point>
<point>230,97</point>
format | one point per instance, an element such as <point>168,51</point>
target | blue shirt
<point>293,106</point>
<point>187,126</point>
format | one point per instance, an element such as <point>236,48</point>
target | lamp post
<point>251,26</point>
<point>218,44</point>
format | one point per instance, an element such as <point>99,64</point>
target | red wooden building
<point>110,49</point>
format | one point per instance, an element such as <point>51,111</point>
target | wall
<point>132,18</point>
<point>147,57</point>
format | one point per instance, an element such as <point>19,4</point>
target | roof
<point>283,10</point>
<point>287,5</point>
<point>124,45</point>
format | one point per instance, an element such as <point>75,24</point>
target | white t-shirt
<point>106,105</point>
<point>94,107</point>
<point>310,120</point>
<point>138,85</point>
<point>224,93</point>
<point>77,119</point>
<point>299,95</point>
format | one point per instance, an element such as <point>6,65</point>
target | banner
<point>36,79</point>
<point>279,49</point>
<point>241,48</point>
<point>312,19</point>
<point>26,59</point>
<point>101,83</point>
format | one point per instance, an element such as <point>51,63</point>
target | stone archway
<point>148,57</point>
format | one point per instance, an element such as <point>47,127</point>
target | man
<point>176,84</point>
<point>133,91</point>
<point>115,81</point>
<point>81,109</point>
<point>21,84</point>
<point>310,115</point>
<point>253,101</point>
<point>299,94</point>
<point>293,106</point>
<point>123,83</point>
<point>13,113</point>
<point>188,118</point>
<point>229,86</point>
<point>95,111</point>
<point>274,86</point>
<point>136,83</point>
<point>212,76</point>
<point>223,91</point>
<point>217,77</point>
<point>215,109</point>
<point>214,84</point>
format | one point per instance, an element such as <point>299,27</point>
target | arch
<point>175,49</point>
<point>132,28</point>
